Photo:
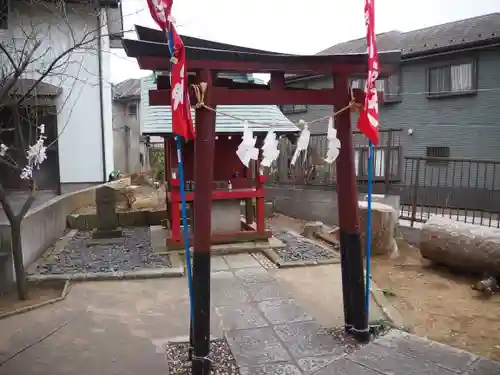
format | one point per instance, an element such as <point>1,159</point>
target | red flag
<point>182,121</point>
<point>368,121</point>
<point>160,11</point>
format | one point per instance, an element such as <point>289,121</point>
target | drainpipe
<point>101,95</point>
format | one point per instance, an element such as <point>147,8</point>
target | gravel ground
<point>223,362</point>
<point>298,248</point>
<point>348,342</point>
<point>135,252</point>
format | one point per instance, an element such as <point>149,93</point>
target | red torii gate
<point>205,59</point>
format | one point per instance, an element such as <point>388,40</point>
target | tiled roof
<point>484,28</point>
<point>157,119</point>
<point>41,89</point>
<point>128,89</point>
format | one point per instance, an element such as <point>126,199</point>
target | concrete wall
<point>45,224</point>
<point>312,204</point>
<point>77,74</point>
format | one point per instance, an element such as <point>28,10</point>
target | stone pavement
<point>110,328</point>
<point>270,333</point>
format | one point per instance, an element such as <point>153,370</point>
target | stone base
<point>110,233</point>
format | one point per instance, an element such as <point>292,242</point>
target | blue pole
<point>185,230</point>
<point>369,228</point>
<point>183,203</point>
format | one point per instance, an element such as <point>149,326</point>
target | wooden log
<point>383,225</point>
<point>461,246</point>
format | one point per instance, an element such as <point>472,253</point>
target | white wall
<point>79,120</point>
<point>107,96</point>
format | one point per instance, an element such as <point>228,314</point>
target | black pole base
<point>201,366</point>
<point>353,286</point>
<point>362,337</point>
<point>191,341</point>
<point>201,322</point>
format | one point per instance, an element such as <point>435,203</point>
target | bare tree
<point>46,41</point>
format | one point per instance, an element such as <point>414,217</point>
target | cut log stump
<point>384,220</point>
<point>461,246</point>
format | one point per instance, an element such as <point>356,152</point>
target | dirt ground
<point>37,292</point>
<point>439,304</point>
<point>434,302</point>
<point>147,197</point>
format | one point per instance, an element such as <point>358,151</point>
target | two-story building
<point>74,98</point>
<point>130,147</point>
<point>444,106</point>
<point>446,94</point>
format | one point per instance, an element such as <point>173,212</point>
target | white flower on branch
<point>35,155</point>
<point>3,149</point>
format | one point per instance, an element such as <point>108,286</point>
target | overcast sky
<point>293,26</point>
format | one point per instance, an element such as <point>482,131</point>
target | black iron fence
<point>466,190</point>
<point>311,169</point>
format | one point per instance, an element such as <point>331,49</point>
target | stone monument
<point>107,218</point>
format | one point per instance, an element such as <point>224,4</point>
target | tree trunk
<point>462,246</point>
<point>17,254</point>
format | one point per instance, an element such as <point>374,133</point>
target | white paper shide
<point>333,143</point>
<point>302,143</point>
<point>270,151</point>
<point>247,150</point>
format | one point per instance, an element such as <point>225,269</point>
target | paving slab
<point>484,366</point>
<point>244,316</point>
<point>311,365</point>
<point>390,361</point>
<point>284,368</point>
<point>253,275</point>
<point>426,350</point>
<point>305,340</point>
<point>256,346</point>
<point>218,264</point>
<point>259,292</point>
<point>346,367</point>
<point>241,261</point>
<point>282,311</point>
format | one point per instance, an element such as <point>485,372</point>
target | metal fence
<point>466,190</point>
<point>311,169</point>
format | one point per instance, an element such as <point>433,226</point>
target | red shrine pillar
<point>353,285</point>
<point>204,148</point>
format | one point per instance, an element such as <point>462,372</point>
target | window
<point>378,162</point>
<point>293,108</point>
<point>390,87</point>
<point>437,152</point>
<point>453,79</point>
<point>132,110</point>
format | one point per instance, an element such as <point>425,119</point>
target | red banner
<point>182,122</point>
<point>160,10</point>
<point>368,122</point>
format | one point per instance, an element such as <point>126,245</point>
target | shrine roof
<point>151,52</point>
<point>157,120</point>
